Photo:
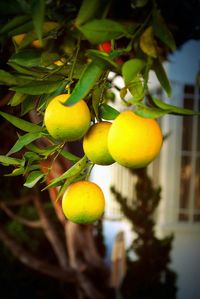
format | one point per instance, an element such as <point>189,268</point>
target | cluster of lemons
<point>130,140</point>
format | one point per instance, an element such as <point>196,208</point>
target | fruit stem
<point>74,63</point>
<point>56,156</point>
<point>89,171</point>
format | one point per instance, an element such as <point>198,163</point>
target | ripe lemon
<point>83,202</point>
<point>66,123</point>
<point>134,141</point>
<point>95,143</point>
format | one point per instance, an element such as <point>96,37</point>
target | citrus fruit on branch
<point>67,123</point>
<point>83,202</point>
<point>134,141</point>
<point>95,143</point>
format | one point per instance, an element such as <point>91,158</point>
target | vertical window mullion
<point>193,165</point>
<point>194,156</point>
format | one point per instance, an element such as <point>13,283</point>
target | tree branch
<point>67,275</point>
<point>24,221</point>
<point>51,234</point>
<point>55,172</point>
<point>20,201</point>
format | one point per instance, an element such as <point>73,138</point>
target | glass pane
<point>196,218</point>
<point>187,126</point>
<point>186,171</point>
<point>183,217</point>
<point>197,185</point>
<point>189,89</point>
<point>198,131</point>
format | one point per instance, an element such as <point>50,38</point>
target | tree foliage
<point>150,272</point>
<point>53,47</point>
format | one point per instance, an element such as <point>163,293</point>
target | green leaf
<point>86,12</point>
<point>138,3</point>
<point>21,29</point>
<point>24,70</point>
<point>13,23</point>
<point>136,88</point>
<point>147,42</point>
<point>107,112</point>
<point>24,140</point>
<point>28,104</point>
<point>38,87</point>
<point>131,69</point>
<point>33,178</point>
<point>96,98</point>
<point>17,99</point>
<point>21,124</point>
<point>48,58</point>
<point>149,112</point>
<point>31,157</point>
<point>161,31</point>
<point>69,156</point>
<point>50,150</point>
<point>30,167</point>
<point>46,98</point>
<point>90,75</point>
<point>73,171</point>
<point>42,151</point>
<point>7,79</point>
<point>123,92</point>
<point>162,76</point>
<point>38,11</point>
<point>16,172</point>
<point>27,58</point>
<point>173,109</point>
<point>99,31</point>
<point>9,161</point>
<point>104,56</point>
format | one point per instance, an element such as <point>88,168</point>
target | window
<point>189,197</point>
<point>179,165</point>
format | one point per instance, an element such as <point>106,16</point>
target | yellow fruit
<point>83,202</point>
<point>19,38</point>
<point>37,43</point>
<point>47,26</point>
<point>60,62</point>
<point>134,141</point>
<point>67,123</point>
<point>95,144</point>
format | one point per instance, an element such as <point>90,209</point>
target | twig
<point>26,257</point>
<point>24,221</point>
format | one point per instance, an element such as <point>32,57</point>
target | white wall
<point>183,68</point>
<point>186,261</point>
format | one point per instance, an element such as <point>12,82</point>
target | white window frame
<point>170,165</point>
